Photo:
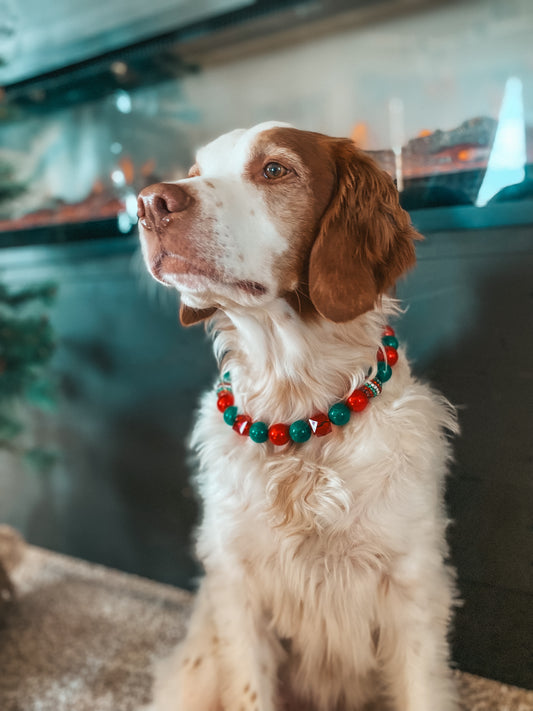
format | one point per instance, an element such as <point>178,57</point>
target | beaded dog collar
<point>320,423</point>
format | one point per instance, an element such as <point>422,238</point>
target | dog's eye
<point>274,170</point>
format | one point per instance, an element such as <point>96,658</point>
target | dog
<point>321,460</point>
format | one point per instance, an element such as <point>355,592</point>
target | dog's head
<point>274,212</point>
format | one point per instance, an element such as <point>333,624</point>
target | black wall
<point>130,377</point>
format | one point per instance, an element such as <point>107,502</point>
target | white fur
<point>324,561</point>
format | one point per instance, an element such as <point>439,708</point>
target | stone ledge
<point>84,637</point>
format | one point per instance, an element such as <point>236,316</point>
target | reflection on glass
<point>507,159</point>
<point>428,96</point>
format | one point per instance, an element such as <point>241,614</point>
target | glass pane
<point>443,98</point>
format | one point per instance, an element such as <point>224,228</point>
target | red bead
<point>392,355</point>
<point>242,424</point>
<point>320,424</point>
<point>357,401</point>
<point>278,434</point>
<point>389,354</point>
<point>225,399</point>
<point>388,331</point>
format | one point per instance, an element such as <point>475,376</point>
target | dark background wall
<point>130,377</point>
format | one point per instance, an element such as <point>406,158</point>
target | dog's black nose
<point>157,202</point>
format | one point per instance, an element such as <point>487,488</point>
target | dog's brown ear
<point>190,316</point>
<point>365,241</point>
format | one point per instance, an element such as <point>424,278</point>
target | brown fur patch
<point>365,241</point>
<point>190,316</point>
<point>295,202</point>
<point>349,238</point>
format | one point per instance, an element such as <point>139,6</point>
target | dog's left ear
<point>190,316</point>
<point>365,241</point>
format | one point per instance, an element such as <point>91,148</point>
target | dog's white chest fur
<point>310,534</point>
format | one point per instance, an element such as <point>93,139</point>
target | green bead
<point>384,371</point>
<point>391,341</point>
<point>227,376</point>
<point>299,431</point>
<point>258,432</point>
<point>230,413</point>
<point>339,414</point>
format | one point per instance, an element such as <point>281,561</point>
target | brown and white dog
<point>325,583</point>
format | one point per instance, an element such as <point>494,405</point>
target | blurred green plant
<point>26,345</point>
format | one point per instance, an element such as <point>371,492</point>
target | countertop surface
<point>84,637</point>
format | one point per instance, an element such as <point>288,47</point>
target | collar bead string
<point>320,423</point>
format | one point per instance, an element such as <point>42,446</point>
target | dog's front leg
<point>416,648</point>
<point>188,680</point>
<point>248,653</point>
